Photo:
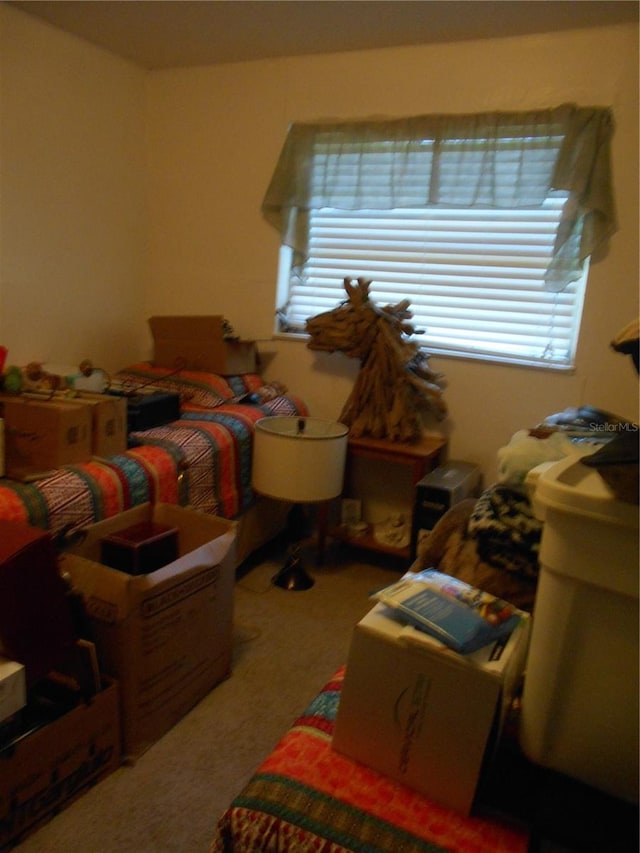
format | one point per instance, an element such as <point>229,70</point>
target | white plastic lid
<point>569,486</point>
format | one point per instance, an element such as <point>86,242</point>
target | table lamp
<point>300,460</point>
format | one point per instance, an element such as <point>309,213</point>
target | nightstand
<point>417,458</point>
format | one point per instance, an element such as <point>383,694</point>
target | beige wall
<point>84,263</point>
<point>215,134</point>
<point>72,197</point>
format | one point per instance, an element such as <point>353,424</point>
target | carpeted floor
<point>286,645</point>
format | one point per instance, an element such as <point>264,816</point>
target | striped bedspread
<point>214,448</point>
<point>77,495</point>
<point>306,797</point>
<point>202,460</point>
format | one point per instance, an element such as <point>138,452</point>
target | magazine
<point>461,616</point>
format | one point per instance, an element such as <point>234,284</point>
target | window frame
<point>565,148</point>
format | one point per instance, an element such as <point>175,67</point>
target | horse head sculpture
<point>395,384</point>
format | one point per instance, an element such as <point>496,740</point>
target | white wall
<point>72,197</point>
<point>214,137</point>
<point>89,250</point>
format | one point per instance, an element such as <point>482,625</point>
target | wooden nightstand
<point>419,457</point>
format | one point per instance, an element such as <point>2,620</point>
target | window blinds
<point>494,159</point>
<point>474,276</point>
<point>485,222</point>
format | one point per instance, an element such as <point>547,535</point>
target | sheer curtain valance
<point>498,159</point>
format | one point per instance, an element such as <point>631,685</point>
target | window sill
<point>290,336</point>
<point>566,369</point>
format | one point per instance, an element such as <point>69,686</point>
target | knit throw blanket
<point>506,532</point>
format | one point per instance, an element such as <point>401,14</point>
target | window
<point>474,278</point>
<point>471,220</point>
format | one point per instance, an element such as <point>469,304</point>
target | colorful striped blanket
<point>202,460</point>
<point>306,797</point>
<point>214,449</point>
<point>77,495</point>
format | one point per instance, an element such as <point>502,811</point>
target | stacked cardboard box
<point>59,719</point>
<point>45,432</point>
<point>165,636</point>
<point>424,714</point>
<point>52,766</point>
<point>160,642</point>
<point>108,421</point>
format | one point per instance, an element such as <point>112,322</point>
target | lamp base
<point>293,576</point>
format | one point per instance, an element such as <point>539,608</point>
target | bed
<point>306,797</point>
<point>201,460</point>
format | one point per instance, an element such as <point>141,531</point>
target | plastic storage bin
<point>580,700</point>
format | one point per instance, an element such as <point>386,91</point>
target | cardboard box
<point>198,343</point>
<point>44,434</point>
<point>166,636</point>
<point>13,687</point>
<point>109,422</point>
<point>44,772</point>
<point>422,714</point>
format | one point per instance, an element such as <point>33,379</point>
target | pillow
<point>207,390</point>
<point>262,394</point>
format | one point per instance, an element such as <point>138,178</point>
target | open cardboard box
<point>423,714</point>
<point>166,636</point>
<point>45,771</point>
<point>198,343</point>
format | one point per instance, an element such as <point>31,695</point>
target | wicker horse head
<point>395,384</point>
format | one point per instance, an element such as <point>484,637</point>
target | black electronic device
<point>148,409</point>
<point>438,491</point>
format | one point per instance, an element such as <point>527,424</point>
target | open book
<point>459,615</point>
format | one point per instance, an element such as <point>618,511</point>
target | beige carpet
<point>286,645</point>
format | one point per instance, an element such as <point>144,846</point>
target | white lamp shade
<point>299,459</point>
